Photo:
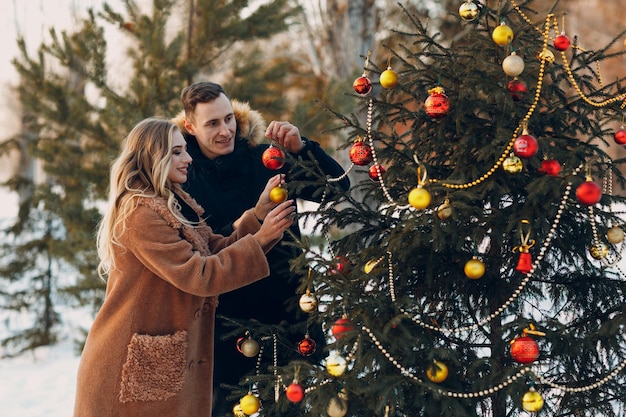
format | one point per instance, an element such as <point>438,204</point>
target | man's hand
<point>286,134</point>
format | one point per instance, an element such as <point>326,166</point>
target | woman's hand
<point>264,204</point>
<point>276,222</point>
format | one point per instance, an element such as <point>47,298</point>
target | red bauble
<point>374,170</point>
<point>524,350</point>
<point>525,146</point>
<point>361,153</point>
<point>550,167</point>
<point>273,158</point>
<point>362,85</point>
<point>561,42</point>
<point>517,89</point>
<point>342,326</point>
<point>343,266</point>
<point>588,193</point>
<point>437,105</point>
<point>295,392</point>
<point>307,346</point>
<point>620,136</point>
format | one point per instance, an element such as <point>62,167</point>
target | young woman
<point>150,349</point>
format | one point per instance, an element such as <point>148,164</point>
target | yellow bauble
<point>336,364</point>
<point>502,35</point>
<point>437,372</point>
<point>615,235</point>
<point>419,198</point>
<point>388,78</point>
<point>474,268</point>
<point>532,401</point>
<point>249,404</point>
<point>278,194</point>
<point>513,164</point>
<point>237,411</point>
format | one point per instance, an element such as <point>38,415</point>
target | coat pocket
<point>155,367</point>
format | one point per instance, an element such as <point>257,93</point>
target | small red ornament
<point>295,392</point>
<point>525,146</point>
<point>620,136</point>
<point>550,167</point>
<point>375,170</point>
<point>361,153</point>
<point>307,346</point>
<point>341,326</point>
<point>343,266</point>
<point>588,193</point>
<point>362,85</point>
<point>525,263</point>
<point>561,42</point>
<point>437,105</point>
<point>524,349</point>
<point>517,89</point>
<point>273,158</point>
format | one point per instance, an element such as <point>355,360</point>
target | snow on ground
<point>40,384</point>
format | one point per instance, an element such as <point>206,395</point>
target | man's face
<point>214,127</point>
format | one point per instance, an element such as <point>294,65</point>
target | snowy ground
<point>42,383</point>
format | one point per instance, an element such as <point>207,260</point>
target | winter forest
<point>474,267</point>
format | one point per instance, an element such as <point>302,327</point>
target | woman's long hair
<point>141,170</point>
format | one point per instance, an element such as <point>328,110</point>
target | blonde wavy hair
<point>140,170</point>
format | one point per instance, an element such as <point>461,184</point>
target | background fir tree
<point>76,112</point>
<point>432,335</point>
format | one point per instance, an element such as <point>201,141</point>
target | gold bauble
<point>336,364</point>
<point>513,164</point>
<point>444,211</point>
<point>237,411</point>
<point>250,348</point>
<point>532,401</point>
<point>474,268</point>
<point>502,34</point>
<point>308,302</point>
<point>388,78</point>
<point>337,407</point>
<point>437,372</point>
<point>419,198</point>
<point>370,265</point>
<point>598,250</point>
<point>615,235</point>
<point>468,11</point>
<point>547,55</point>
<point>249,404</point>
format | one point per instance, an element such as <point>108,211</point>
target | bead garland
<point>524,282</point>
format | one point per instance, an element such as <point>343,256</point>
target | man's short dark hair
<point>200,92</point>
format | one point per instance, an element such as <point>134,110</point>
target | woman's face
<point>180,159</point>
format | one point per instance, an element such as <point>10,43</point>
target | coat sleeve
<point>162,250</point>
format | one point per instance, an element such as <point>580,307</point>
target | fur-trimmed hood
<point>250,123</point>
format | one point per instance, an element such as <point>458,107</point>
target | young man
<point>225,138</point>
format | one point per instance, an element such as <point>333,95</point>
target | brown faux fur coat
<point>149,352</point>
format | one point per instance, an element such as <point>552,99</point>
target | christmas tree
<point>475,268</point>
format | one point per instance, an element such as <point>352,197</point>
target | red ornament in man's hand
<point>273,158</point>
